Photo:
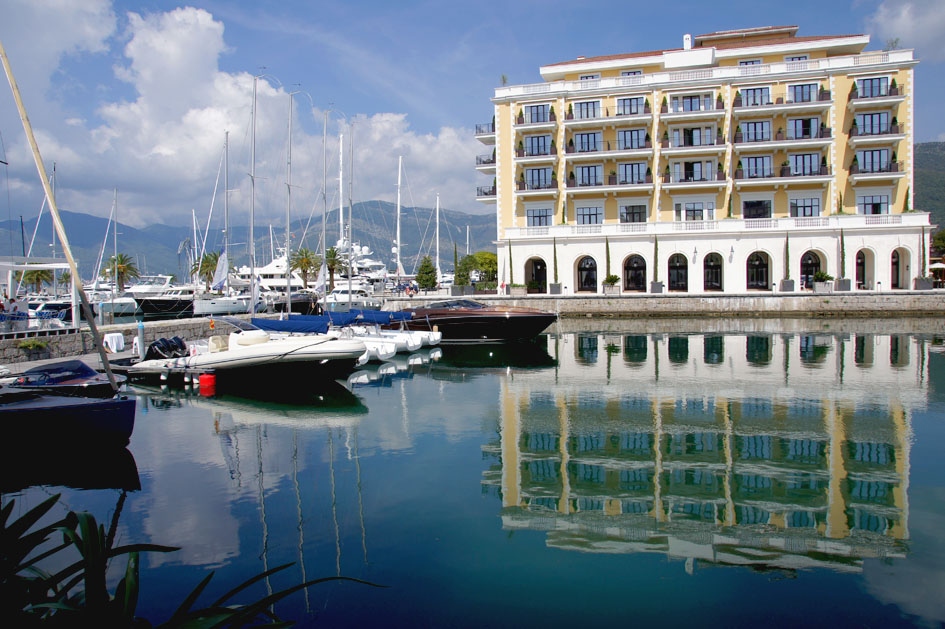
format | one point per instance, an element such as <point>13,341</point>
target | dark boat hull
<point>476,327</point>
<point>165,307</point>
<point>30,415</point>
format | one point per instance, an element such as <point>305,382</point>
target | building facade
<point>747,160</point>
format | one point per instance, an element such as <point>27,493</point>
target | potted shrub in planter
<point>656,286</point>
<point>894,125</point>
<point>779,136</point>
<point>854,166</point>
<point>739,171</point>
<point>521,181</point>
<point>787,284</point>
<point>647,143</point>
<point>666,175</point>
<point>823,282</point>
<point>516,290</point>
<point>534,286</point>
<point>893,88</point>
<point>612,178</point>
<point>719,173</point>
<point>571,182</point>
<point>649,175</point>
<point>894,163</point>
<point>664,107</point>
<point>824,94</point>
<point>718,102</point>
<point>551,114</point>
<point>738,134</point>
<point>570,148</point>
<point>854,91</point>
<point>854,129</point>
<point>785,168</point>
<point>554,148</point>
<point>665,141</point>
<point>646,106</point>
<point>570,115</point>
<point>520,149</point>
<point>738,99</point>
<point>521,117</point>
<point>824,131</point>
<point>610,285</point>
<point>823,166</point>
<point>554,180</point>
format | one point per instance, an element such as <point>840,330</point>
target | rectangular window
<point>693,171</point>
<point>631,139</point>
<point>589,175</point>
<point>750,62</point>
<point>538,178</point>
<point>692,103</point>
<point>633,214</point>
<point>796,58</point>
<point>631,72</point>
<point>756,209</point>
<point>590,215</point>
<point>803,128</point>
<point>537,144</point>
<point>874,161</point>
<point>697,136</point>
<point>587,142</point>
<point>695,211</point>
<point>876,123</point>
<point>756,167</point>
<point>757,131</point>
<point>873,204</point>
<point>871,88</point>
<point>803,93</point>
<point>590,109</point>
<point>536,113</point>
<point>805,164</point>
<point>589,77</point>
<point>538,218</point>
<point>805,207</point>
<point>756,96</point>
<point>630,106</point>
<point>632,173</point>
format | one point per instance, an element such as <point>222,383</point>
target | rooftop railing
<point>709,75</point>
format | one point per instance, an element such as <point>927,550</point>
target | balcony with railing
<point>485,133</point>
<point>691,144</point>
<point>536,188</point>
<point>884,96</point>
<point>485,194</point>
<point>877,171</point>
<point>613,183</point>
<point>795,225</point>
<point>783,175</point>
<point>876,134</point>
<point>673,180</point>
<point>678,110</point>
<point>789,101</point>
<point>533,121</point>
<point>812,138</point>
<point>485,164</point>
<point>535,154</point>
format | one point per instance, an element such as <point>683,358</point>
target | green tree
<point>487,263</point>
<point>125,267</point>
<point>37,278</point>
<point>426,274</point>
<point>305,261</point>
<point>206,267</point>
<point>938,241</point>
<point>466,265</point>
<point>332,261</point>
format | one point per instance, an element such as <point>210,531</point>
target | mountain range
<point>163,248</point>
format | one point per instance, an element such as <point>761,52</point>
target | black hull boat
<point>467,321</point>
<point>166,306</point>
<point>33,416</point>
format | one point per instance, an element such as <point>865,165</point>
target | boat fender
<point>208,384</point>
<point>252,337</point>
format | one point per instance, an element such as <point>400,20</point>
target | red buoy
<point>208,384</point>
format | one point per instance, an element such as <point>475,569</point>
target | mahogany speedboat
<point>466,321</point>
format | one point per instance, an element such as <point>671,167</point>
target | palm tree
<point>37,278</point>
<point>124,268</point>
<point>332,261</point>
<point>206,267</point>
<point>304,261</point>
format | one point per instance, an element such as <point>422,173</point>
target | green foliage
<point>37,278</point>
<point>206,267</point>
<point>122,266</point>
<point>306,262</point>
<point>554,250</point>
<point>787,258</point>
<point>822,276</point>
<point>31,344</point>
<point>656,258</point>
<point>607,256</point>
<point>332,260</point>
<point>843,255</point>
<point>426,274</point>
<point>77,595</point>
<point>611,279</point>
<point>938,241</point>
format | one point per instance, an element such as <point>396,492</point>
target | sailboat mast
<point>324,269</point>
<point>467,240</point>
<point>400,267</point>
<point>341,188</point>
<point>350,215</point>
<point>252,206</point>
<point>115,243</point>
<point>288,210</point>
<point>226,207</point>
<point>438,272</point>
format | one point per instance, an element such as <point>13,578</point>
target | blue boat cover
<point>301,327</point>
<point>319,324</point>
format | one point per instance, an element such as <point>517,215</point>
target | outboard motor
<point>180,347</point>
<point>160,349</point>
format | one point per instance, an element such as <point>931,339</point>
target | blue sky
<point>136,95</point>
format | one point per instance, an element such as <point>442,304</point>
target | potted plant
<point>823,282</point>
<point>738,99</point>
<point>893,88</point>
<point>521,181</point>
<point>656,286</point>
<point>666,176</point>
<point>824,94</point>
<point>854,129</point>
<point>520,149</point>
<point>664,142</point>
<point>894,164</point>
<point>610,285</point>
<point>823,165</point>
<point>854,166</point>
<point>649,175</point>
<point>718,102</point>
<point>554,149</point>
<point>555,287</point>
<point>570,115</point>
<point>739,172</point>
<point>570,148</point>
<point>551,114</point>
<point>894,125</point>
<point>534,286</point>
<point>554,179</point>
<point>718,137</point>
<point>646,106</point>
<point>647,143</point>
<point>35,349</point>
<point>779,136</point>
<point>719,173</point>
<point>571,179</point>
<point>521,117</point>
<point>824,131</point>
<point>854,91</point>
<point>612,178</point>
<point>517,290</point>
<point>738,134</point>
<point>785,168</point>
<point>843,283</point>
<point>664,107</point>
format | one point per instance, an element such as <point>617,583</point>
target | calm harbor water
<point>760,472</point>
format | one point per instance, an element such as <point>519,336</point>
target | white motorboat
<point>206,305</point>
<point>356,297</point>
<point>250,351</point>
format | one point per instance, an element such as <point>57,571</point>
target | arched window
<point>634,274</point>
<point>537,274</point>
<point>860,269</point>
<point>712,270</point>
<point>678,272</point>
<point>810,264</point>
<point>587,275</point>
<point>757,269</point>
<point>894,270</point>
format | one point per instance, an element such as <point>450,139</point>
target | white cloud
<point>917,24</point>
<point>161,147</point>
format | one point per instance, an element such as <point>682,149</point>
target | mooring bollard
<point>140,340</point>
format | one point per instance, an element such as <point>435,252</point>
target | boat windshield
<point>236,323</point>
<point>456,304</point>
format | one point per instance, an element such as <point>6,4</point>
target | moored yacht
<point>465,320</point>
<point>175,302</point>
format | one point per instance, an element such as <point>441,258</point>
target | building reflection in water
<point>772,451</point>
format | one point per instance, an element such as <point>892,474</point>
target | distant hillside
<point>930,180</point>
<point>156,247</point>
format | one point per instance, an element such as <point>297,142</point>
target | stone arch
<point>812,261</point>
<point>536,275</point>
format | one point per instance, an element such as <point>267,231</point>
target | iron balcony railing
<point>485,129</point>
<point>693,177</point>
<point>796,97</point>
<point>485,160</point>
<point>535,151</point>
<point>888,129</point>
<point>889,167</point>
<point>692,142</point>
<point>882,92</point>
<point>485,191</point>
<point>538,185</point>
<point>822,133</point>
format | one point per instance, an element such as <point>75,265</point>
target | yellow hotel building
<point>746,160</point>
